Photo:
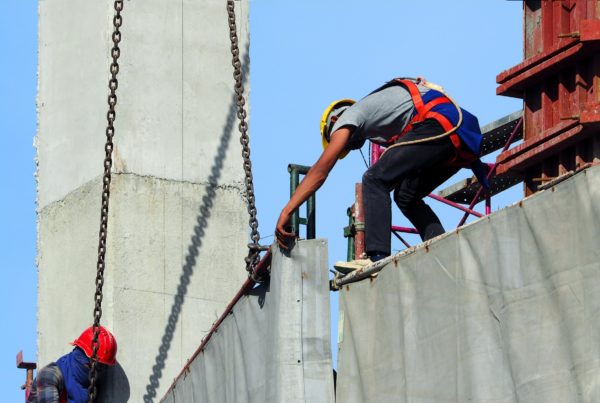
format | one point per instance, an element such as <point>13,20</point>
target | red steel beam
<point>533,142</point>
<point>572,45</point>
<point>29,367</point>
<point>559,80</point>
<point>514,81</point>
<point>530,153</point>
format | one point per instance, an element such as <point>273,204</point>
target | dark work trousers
<point>412,172</point>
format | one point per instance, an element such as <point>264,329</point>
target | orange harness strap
<point>462,157</point>
<point>424,111</point>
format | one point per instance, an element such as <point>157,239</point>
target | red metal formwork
<point>559,81</point>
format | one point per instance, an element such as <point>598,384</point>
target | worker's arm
<point>312,182</point>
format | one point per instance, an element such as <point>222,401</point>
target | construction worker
<point>428,138</point>
<point>67,379</point>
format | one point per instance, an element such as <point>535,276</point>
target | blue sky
<point>304,54</point>
<point>18,278</point>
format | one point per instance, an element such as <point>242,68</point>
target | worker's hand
<point>312,181</point>
<point>283,236</point>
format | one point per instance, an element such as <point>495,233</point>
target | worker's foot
<point>348,267</point>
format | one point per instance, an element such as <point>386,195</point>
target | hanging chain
<point>108,148</point>
<point>253,248</point>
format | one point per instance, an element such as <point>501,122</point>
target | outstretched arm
<point>312,182</point>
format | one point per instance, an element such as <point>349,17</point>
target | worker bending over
<point>428,139</point>
<point>67,379</point>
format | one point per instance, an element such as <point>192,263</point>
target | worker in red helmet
<point>67,379</point>
<point>428,138</point>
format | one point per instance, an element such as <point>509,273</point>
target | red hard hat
<point>107,345</point>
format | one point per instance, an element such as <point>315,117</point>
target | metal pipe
<point>29,367</point>
<point>359,221</point>
<point>295,171</point>
<point>455,205</point>
<point>473,202</point>
<point>488,203</point>
<point>301,169</point>
<point>404,229</point>
<point>401,239</point>
<point>311,220</point>
<point>294,182</point>
<point>518,127</point>
<point>260,269</point>
<point>375,153</point>
<point>350,250</point>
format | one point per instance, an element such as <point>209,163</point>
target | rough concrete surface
<point>165,281</point>
<point>177,230</point>
<point>175,92</point>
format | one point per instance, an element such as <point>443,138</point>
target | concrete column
<point>178,222</point>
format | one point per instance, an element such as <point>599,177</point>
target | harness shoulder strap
<point>425,111</point>
<point>415,94</point>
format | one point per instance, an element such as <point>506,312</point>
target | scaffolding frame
<point>355,230</point>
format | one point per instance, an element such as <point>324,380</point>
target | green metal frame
<point>349,233</point>
<point>311,204</point>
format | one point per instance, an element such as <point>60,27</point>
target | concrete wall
<point>177,204</point>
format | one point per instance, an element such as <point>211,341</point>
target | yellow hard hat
<point>326,123</point>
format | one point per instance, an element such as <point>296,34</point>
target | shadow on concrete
<point>196,243</point>
<point>114,386</point>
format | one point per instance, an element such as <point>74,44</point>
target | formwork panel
<point>532,37</point>
<point>559,81</point>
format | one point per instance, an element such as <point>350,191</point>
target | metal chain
<point>108,148</point>
<point>253,248</point>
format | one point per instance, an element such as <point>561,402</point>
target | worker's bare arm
<point>312,181</point>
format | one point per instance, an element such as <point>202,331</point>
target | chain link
<point>254,247</point>
<point>113,84</point>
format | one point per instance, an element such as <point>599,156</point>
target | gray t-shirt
<point>379,116</point>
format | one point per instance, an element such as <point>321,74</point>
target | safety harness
<point>438,106</point>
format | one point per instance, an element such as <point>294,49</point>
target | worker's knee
<point>372,179</point>
<point>368,177</point>
<point>406,199</point>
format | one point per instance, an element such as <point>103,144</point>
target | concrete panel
<point>163,289</point>
<point>67,253</point>
<point>72,89</point>
<point>174,96</point>
<point>164,229</point>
